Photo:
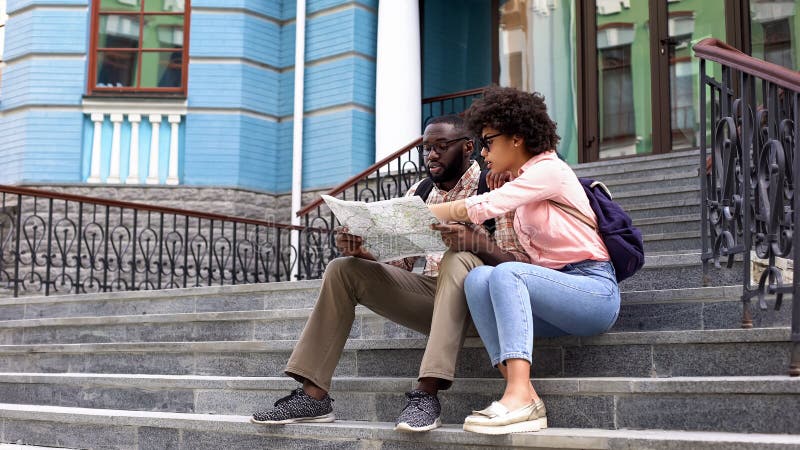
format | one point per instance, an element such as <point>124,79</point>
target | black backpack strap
<point>483,188</point>
<point>424,189</point>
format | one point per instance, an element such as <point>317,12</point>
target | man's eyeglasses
<point>439,147</point>
<point>486,141</point>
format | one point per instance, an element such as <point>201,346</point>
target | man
<point>432,302</point>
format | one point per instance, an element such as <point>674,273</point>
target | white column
<point>172,175</point>
<point>152,173</point>
<point>113,174</point>
<point>97,141</point>
<point>133,162</point>
<point>297,125</point>
<point>398,84</point>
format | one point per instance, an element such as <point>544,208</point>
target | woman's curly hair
<point>511,111</point>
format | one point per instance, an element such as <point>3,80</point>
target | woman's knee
<point>506,272</point>
<point>476,284</point>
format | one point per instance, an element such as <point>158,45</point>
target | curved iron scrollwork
<point>85,245</point>
<point>749,205</point>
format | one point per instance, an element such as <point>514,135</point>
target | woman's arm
<point>451,211</point>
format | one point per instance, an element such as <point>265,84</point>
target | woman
<point>569,287</point>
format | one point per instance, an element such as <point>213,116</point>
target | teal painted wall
<point>456,46</point>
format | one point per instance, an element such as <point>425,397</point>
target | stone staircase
<point>185,368</point>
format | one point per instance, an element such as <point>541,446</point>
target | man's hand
<point>495,180</point>
<point>461,238</point>
<point>350,244</point>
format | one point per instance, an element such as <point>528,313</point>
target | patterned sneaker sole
<point>318,419</point>
<point>402,426</point>
<point>519,427</point>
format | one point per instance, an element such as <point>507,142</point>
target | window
<point>778,43</point>
<point>139,46</point>
<point>618,120</point>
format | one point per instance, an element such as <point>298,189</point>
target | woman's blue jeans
<point>513,302</point>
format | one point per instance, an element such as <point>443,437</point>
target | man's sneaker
<point>421,412</point>
<point>297,407</point>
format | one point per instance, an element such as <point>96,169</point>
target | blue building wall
<point>43,81</point>
<point>238,128</point>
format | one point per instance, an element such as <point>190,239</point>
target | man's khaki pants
<point>435,306</point>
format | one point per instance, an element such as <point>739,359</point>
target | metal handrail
<point>750,161</point>
<point>141,206</point>
<point>352,181</point>
<point>715,50</point>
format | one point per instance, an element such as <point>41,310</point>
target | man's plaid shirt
<point>467,186</point>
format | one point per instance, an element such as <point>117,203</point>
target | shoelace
<point>414,399</point>
<point>293,394</point>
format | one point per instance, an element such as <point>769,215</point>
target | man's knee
<point>458,263</point>
<point>345,266</point>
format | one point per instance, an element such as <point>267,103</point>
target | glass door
<point>624,68</point>
<point>688,21</point>
<point>640,64</point>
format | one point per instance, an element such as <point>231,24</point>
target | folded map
<point>392,229</point>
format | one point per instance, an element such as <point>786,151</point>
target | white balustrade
<point>113,176</point>
<point>172,177</point>
<point>128,116</point>
<point>133,162</point>
<point>155,123</point>
<point>97,140</point>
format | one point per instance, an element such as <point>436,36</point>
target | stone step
<point>762,351</point>
<point>670,224</point>
<point>632,167</point>
<point>678,403</point>
<point>645,157</point>
<point>275,295</point>
<point>84,427</point>
<point>672,241</point>
<point>671,208</point>
<point>670,270</point>
<point>661,271</point>
<point>680,176</point>
<point>655,195</point>
<point>637,313</point>
<point>27,447</point>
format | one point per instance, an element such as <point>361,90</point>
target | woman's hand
<point>495,180</point>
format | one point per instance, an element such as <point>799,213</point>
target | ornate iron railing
<point>748,191</point>
<point>58,243</point>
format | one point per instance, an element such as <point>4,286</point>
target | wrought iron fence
<point>56,243</point>
<point>752,108</point>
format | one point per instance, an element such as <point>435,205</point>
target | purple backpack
<point>622,239</point>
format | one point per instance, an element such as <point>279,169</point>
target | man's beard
<point>452,172</point>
